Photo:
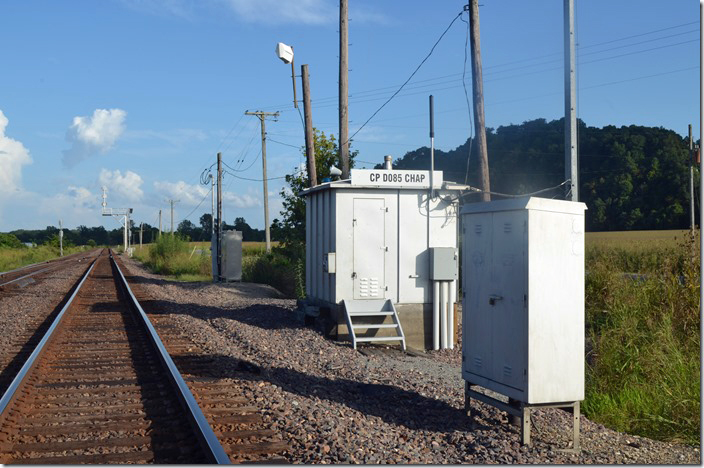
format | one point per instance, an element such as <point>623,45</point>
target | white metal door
<point>368,248</point>
<point>507,300</point>
<point>477,321</point>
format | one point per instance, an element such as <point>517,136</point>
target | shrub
<point>275,270</point>
<point>10,241</point>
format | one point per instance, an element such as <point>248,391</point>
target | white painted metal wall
<point>523,306</point>
<point>330,228</point>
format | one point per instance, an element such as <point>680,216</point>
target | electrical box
<point>329,262</point>
<point>443,263</point>
<point>232,255</point>
<point>523,304</point>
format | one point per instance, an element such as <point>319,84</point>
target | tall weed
<point>275,270</point>
<point>643,368</point>
<point>171,255</point>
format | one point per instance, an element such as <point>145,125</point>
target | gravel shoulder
<point>337,405</point>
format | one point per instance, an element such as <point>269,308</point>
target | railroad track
<point>101,388</point>
<point>30,274</point>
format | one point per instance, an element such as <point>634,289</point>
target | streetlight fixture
<point>285,53</point>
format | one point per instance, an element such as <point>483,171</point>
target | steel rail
<point>29,275</point>
<point>29,365</point>
<point>53,260</point>
<point>209,441</point>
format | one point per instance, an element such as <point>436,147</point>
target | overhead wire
<point>251,179</point>
<point>282,143</point>
<point>354,97</point>
<point>409,78</point>
<point>197,206</point>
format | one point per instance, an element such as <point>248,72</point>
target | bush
<point>10,241</point>
<point>275,270</point>
<point>643,368</point>
<point>171,255</point>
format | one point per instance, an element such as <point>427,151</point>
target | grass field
<point>635,240</point>
<point>643,372</point>
<point>11,259</point>
<point>191,261</point>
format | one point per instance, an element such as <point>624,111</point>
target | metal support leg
<point>575,427</point>
<point>467,400</point>
<point>514,419</point>
<point>525,424</point>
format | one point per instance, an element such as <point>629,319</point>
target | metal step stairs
<point>367,309</point>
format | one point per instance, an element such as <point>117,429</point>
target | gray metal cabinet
<point>523,304</point>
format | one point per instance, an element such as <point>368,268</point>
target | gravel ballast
<point>21,308</point>
<point>337,405</point>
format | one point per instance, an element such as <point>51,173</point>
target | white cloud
<point>13,155</point>
<point>192,195</point>
<point>92,135</point>
<point>128,186</point>
<point>285,11</point>
<point>73,205</point>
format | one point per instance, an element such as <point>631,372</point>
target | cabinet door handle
<point>493,298</point>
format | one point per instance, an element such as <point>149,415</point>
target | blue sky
<point>139,96</point>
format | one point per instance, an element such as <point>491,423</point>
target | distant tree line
<point>92,236</point>
<point>631,178</point>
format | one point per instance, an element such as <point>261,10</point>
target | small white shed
<point>368,248</point>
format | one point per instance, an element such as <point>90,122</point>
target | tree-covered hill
<point>630,177</point>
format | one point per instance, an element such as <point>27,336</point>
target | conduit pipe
<point>451,314</point>
<point>443,314</point>
<point>436,315</point>
<point>444,293</point>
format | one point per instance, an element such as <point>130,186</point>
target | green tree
<point>291,229</point>
<point>187,230</point>
<point>10,241</point>
<point>206,224</point>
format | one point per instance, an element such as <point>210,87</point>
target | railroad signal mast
<point>123,214</point>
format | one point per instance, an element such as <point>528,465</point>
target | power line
<point>198,206</point>
<point>409,78</point>
<point>318,103</point>
<point>253,180</point>
<point>282,143</point>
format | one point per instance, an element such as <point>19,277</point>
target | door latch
<point>493,298</point>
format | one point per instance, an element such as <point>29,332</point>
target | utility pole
<point>571,166</point>
<point>310,141</point>
<point>691,180</point>
<point>159,223</point>
<point>172,214</point>
<point>262,119</point>
<point>141,232</point>
<point>219,239</point>
<point>478,97</point>
<point>343,93</point>
<point>61,236</point>
<point>212,205</point>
